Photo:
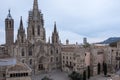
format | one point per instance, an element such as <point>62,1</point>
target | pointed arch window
<point>30,61</point>
<point>30,52</point>
<point>23,61</point>
<point>51,52</point>
<point>57,51</point>
<point>22,39</point>
<point>33,31</point>
<point>56,40</point>
<point>10,24</point>
<point>38,30</point>
<point>57,59</point>
<point>23,53</point>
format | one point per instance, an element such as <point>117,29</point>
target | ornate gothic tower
<point>55,36</point>
<point>36,30</point>
<point>9,30</point>
<point>21,37</point>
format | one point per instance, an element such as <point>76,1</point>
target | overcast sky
<point>95,19</point>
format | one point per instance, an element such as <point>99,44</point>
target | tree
<point>75,76</point>
<point>105,69</point>
<point>103,66</point>
<point>46,78</point>
<point>86,45</point>
<point>84,75</point>
<point>99,68</point>
<point>88,72</point>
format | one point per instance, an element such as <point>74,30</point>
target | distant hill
<point>111,40</point>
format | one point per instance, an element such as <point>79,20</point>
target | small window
<point>23,61</point>
<point>26,74</point>
<point>57,51</point>
<point>70,63</point>
<point>63,62</point>
<point>57,59</point>
<point>63,57</point>
<point>67,62</point>
<point>11,75</point>
<point>33,31</point>
<point>51,52</point>
<point>70,57</point>
<point>22,40</point>
<point>56,40</point>
<point>66,57</point>
<point>51,59</point>
<point>30,52</point>
<point>38,30</point>
<point>3,75</point>
<point>30,61</point>
<point>116,53</point>
<point>112,50</point>
<point>10,24</point>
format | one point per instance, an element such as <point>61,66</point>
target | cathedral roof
<point>19,67</point>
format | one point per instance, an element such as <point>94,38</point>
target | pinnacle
<point>55,29</point>
<point>35,5</point>
<point>9,15</point>
<point>21,24</point>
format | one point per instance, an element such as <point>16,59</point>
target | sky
<point>96,20</point>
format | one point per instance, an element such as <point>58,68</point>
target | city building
<point>11,69</point>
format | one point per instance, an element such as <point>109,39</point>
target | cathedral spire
<point>49,40</point>
<point>21,24</point>
<point>21,29</point>
<point>35,5</point>
<point>55,35</point>
<point>55,29</point>
<point>35,10</point>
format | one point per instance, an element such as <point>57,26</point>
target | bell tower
<point>9,30</point>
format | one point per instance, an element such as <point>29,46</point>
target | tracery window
<point>22,51</point>
<point>33,31</point>
<point>38,30</point>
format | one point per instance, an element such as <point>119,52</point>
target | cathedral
<point>32,48</point>
<point>41,56</point>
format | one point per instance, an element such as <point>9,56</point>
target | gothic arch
<point>41,63</point>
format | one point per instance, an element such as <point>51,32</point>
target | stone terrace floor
<point>58,75</point>
<point>55,75</point>
<point>101,77</point>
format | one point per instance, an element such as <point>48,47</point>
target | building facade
<point>11,69</point>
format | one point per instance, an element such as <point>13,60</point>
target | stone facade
<point>32,48</point>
